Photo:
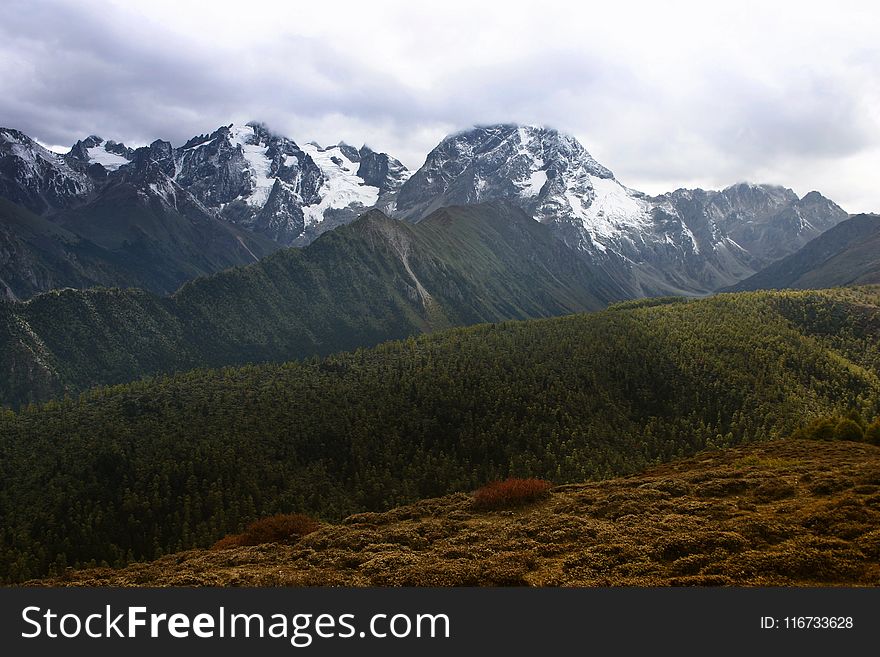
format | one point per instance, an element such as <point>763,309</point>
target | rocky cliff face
<point>270,185</point>
<point>36,178</point>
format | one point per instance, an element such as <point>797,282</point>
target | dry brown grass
<point>787,513</point>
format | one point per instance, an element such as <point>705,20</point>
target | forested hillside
<point>138,470</point>
<point>377,279</point>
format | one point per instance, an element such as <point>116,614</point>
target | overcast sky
<point>666,94</point>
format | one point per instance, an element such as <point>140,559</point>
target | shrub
<point>872,433</point>
<point>819,429</point>
<point>285,528</point>
<point>834,428</point>
<point>856,417</point>
<point>510,493</point>
<point>228,541</point>
<point>848,430</point>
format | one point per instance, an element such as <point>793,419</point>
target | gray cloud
<point>666,97</point>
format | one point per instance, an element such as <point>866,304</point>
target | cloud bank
<point>667,95</point>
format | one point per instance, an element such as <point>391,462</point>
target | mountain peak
<point>813,196</point>
<point>13,136</point>
<point>548,173</point>
<point>817,200</point>
<point>374,216</point>
<point>36,178</point>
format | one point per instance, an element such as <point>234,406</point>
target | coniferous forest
<point>138,470</point>
<point>377,279</point>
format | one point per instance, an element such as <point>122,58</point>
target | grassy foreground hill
<point>135,471</point>
<point>783,513</point>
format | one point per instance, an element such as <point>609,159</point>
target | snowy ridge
<point>35,177</point>
<point>244,174</point>
<point>35,157</point>
<point>254,148</point>
<point>269,184</point>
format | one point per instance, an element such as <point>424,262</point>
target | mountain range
<point>159,215</point>
<point>66,223</point>
<point>847,254</point>
<point>684,242</point>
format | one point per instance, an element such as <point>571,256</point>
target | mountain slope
<point>685,242</point>
<point>374,280</point>
<point>783,513</point>
<point>133,471</point>
<point>847,254</point>
<point>110,215</point>
<point>161,233</point>
<point>38,255</point>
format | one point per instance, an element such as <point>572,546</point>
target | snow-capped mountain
<point>255,179</point>
<point>549,174</point>
<point>689,241</point>
<point>269,184</point>
<point>686,241</point>
<point>35,177</point>
<point>106,214</point>
<point>155,216</point>
<point>245,174</point>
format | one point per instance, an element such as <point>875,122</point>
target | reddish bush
<point>282,528</point>
<point>228,541</point>
<point>510,493</point>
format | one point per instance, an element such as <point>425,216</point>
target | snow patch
<point>535,183</point>
<point>690,235</point>
<point>342,187</point>
<point>108,160</point>
<point>198,145</point>
<point>613,212</point>
<point>259,165</point>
